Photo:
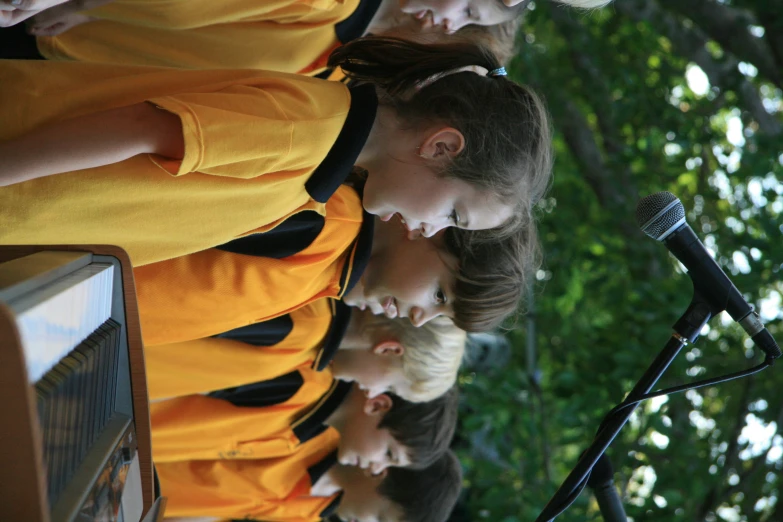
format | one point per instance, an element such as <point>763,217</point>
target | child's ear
<point>388,348</point>
<point>377,405</point>
<point>442,143</point>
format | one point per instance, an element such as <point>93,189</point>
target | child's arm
<point>13,12</point>
<point>90,141</point>
<point>62,17</point>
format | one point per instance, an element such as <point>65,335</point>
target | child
<point>245,423</point>
<point>232,152</point>
<point>391,355</point>
<point>397,495</point>
<point>400,495</point>
<point>217,290</point>
<point>283,35</point>
<point>252,417</point>
<point>378,353</point>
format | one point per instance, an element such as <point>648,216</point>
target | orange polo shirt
<point>242,283</point>
<point>258,352</point>
<point>258,146</point>
<point>294,36</point>
<point>273,490</point>
<point>266,419</point>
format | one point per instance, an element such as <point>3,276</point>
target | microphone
<point>662,217</point>
<point>601,481</point>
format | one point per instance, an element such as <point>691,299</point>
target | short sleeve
<point>247,131</point>
<point>189,14</point>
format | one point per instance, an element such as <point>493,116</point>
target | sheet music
<point>54,319</point>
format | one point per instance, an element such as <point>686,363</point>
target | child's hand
<point>56,21</point>
<point>14,11</point>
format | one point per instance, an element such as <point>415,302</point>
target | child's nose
<point>420,316</point>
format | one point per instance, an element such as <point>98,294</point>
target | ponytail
<point>400,66</point>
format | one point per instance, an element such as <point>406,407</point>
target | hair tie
<point>478,69</point>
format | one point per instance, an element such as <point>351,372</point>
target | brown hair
<point>499,38</point>
<point>424,428</point>
<point>508,142</point>
<point>426,495</point>
<point>493,273</point>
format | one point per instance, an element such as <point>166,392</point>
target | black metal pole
<point>602,483</point>
<point>610,430</point>
<point>686,329</point>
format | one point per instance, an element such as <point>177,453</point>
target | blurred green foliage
<point>678,95</point>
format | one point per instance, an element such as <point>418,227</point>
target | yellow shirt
<point>308,335</point>
<point>258,145</point>
<point>273,490</point>
<point>214,291</point>
<point>282,35</point>
<point>266,419</point>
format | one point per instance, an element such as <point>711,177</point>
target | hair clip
<point>500,71</point>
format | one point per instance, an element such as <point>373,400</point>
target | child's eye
<point>440,296</point>
<point>454,217</point>
<point>390,455</point>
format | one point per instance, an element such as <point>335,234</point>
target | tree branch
<point>691,43</point>
<point>597,94</point>
<point>728,26</point>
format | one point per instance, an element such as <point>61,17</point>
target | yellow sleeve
<point>199,427</point>
<point>244,131</point>
<point>203,428</point>
<point>186,14</point>
<point>205,365</point>
<point>267,489</point>
<point>214,291</point>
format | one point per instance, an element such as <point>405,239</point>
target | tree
<point>645,95</point>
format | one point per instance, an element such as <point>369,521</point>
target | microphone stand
<point>612,425</point>
<point>686,330</point>
<point>601,481</point>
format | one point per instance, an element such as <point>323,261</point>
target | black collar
<point>339,162</point>
<point>360,255</point>
<point>356,25</point>
<point>313,423</point>
<point>331,509</point>
<point>341,316</point>
<point>317,470</point>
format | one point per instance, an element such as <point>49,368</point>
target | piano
<point>75,437</point>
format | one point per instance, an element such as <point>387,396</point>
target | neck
<point>329,483</point>
<point>353,338</point>
<point>337,478</point>
<point>388,16</point>
<point>378,139</point>
<point>339,417</point>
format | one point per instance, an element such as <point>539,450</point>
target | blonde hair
<point>432,356</point>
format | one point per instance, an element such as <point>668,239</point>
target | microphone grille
<point>659,214</point>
